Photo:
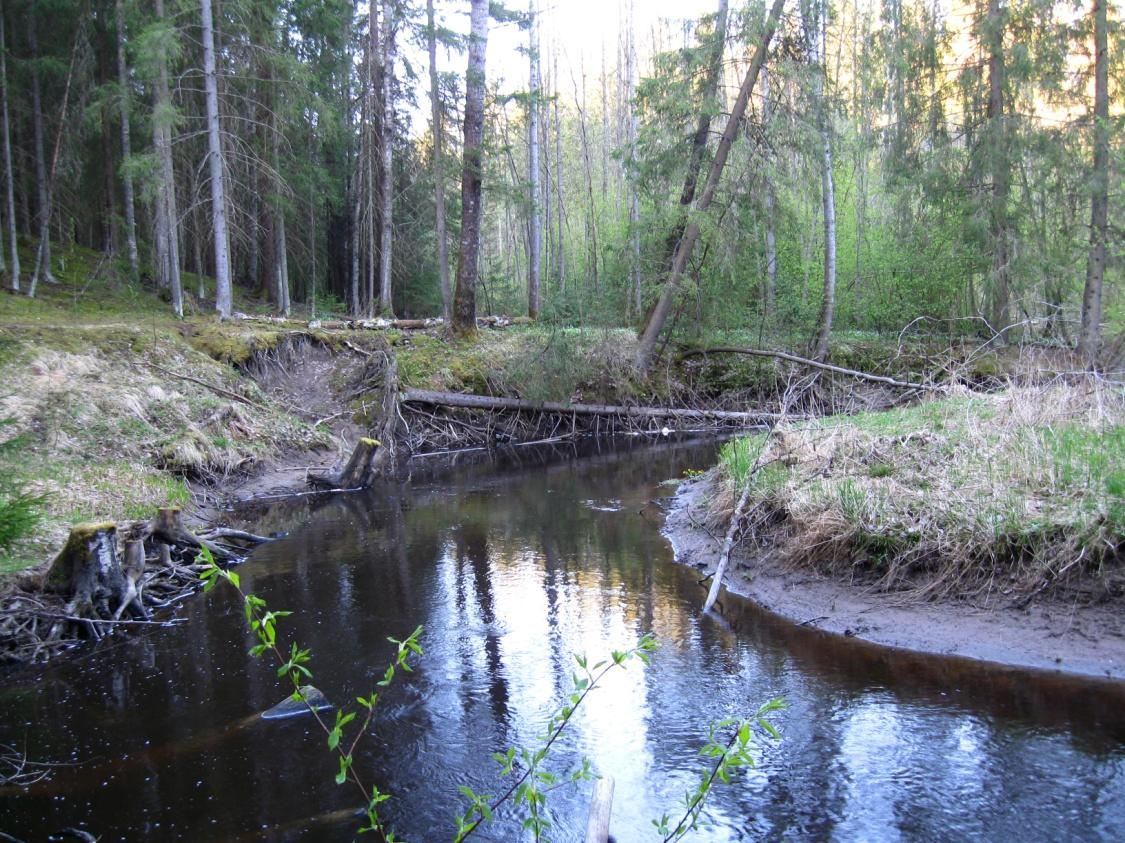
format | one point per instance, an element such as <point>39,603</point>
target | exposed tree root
<point>110,575</point>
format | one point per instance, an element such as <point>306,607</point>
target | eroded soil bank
<point>1049,633</point>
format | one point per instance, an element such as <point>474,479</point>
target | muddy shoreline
<point>1050,635</point>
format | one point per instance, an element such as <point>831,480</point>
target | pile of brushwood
<point>109,576</point>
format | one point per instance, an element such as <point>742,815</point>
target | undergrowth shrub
<point>20,509</point>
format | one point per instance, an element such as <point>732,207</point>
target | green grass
<point>953,495</point>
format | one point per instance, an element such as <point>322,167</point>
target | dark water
<point>511,569</point>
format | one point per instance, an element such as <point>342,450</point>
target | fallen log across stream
<point>109,574</point>
<point>488,402</point>
<point>379,324</point>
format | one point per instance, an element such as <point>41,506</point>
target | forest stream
<point>512,566</point>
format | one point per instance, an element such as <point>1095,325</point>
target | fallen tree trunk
<point>814,364</point>
<point>402,324</point>
<point>488,402</point>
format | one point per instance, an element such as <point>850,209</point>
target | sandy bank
<point>1048,635</point>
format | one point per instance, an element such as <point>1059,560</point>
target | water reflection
<point>511,569</point>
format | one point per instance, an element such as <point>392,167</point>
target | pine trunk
<point>9,176</point>
<point>465,302</point>
<point>223,290</point>
<point>126,145</point>
<point>43,216</point>
<point>166,208</point>
<point>691,232</point>
<point>386,175</point>
<point>439,167</point>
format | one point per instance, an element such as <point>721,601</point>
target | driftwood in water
<point>813,364</point>
<point>487,402</point>
<point>601,806</point>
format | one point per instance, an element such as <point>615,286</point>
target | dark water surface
<point>511,569</point>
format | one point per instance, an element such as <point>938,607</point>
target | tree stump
<point>89,571</point>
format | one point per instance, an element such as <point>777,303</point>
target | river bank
<point>832,585</point>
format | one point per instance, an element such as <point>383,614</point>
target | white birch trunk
<point>535,223</point>
<point>439,172</point>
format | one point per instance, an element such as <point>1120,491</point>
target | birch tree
<point>819,24</point>
<point>535,219</point>
<point>1090,339</point>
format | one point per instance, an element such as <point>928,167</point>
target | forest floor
<point>984,525</point>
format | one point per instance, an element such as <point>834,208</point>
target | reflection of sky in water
<point>511,575</point>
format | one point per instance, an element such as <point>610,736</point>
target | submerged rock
<point>290,707</point>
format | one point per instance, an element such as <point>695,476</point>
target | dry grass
<point>990,496</point>
<point>110,437</point>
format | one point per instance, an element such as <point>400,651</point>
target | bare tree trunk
<point>439,168</point>
<point>828,196</point>
<point>560,184</point>
<point>126,146</point>
<point>535,222</point>
<point>9,177</point>
<point>1090,340</point>
<point>166,210</point>
<point>215,155</point>
<point>634,297</point>
<point>771,226</point>
<point>387,178</point>
<point>591,211</point>
<point>691,233</point>
<point>43,256</point>
<point>1000,225</point>
<point>465,301</point>
<point>708,92</point>
<point>605,128</point>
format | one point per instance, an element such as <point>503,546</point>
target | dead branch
<point>804,361</point>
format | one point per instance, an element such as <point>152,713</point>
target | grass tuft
<point>984,495</point>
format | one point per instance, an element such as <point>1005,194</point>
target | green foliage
<point>726,755</point>
<point>294,664</point>
<point>21,510</point>
<point>531,779</point>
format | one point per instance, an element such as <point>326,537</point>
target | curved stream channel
<point>512,567</point>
